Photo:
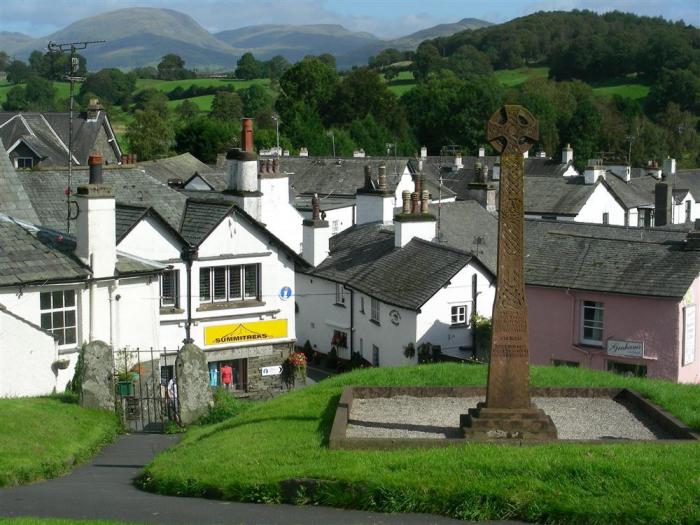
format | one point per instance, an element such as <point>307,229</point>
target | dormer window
<point>24,163</point>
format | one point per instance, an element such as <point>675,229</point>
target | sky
<point>384,18</point>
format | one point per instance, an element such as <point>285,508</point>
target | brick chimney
<point>375,201</point>
<point>423,152</point>
<point>95,225</point>
<point>663,200</point>
<point>415,219</point>
<point>669,167</point>
<point>458,162</point>
<point>303,152</point>
<point>482,151</point>
<point>594,171</point>
<point>316,235</point>
<point>242,172</point>
<point>567,154</point>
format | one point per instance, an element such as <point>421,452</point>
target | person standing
<point>227,376</point>
<point>171,392</point>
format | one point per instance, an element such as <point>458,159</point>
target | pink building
<point>613,298</point>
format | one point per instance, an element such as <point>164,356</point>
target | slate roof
<point>182,168</point>
<point>201,217</point>
<point>47,134</point>
<point>126,217</point>
<point>38,255</point>
<point>14,200</point>
<point>594,257</point>
<point>364,258</point>
<point>556,196</point>
<point>337,176</point>
<point>609,259</point>
<point>132,186</point>
<point>633,194</point>
<point>545,167</point>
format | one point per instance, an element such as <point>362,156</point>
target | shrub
<point>76,384</point>
<point>225,407</point>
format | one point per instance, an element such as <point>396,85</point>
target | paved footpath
<point>103,489</point>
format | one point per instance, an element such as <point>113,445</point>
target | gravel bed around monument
<point>580,418</point>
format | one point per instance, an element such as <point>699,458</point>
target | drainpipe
<point>189,254</point>
<point>91,297</point>
<point>113,339</point>
<point>352,320</point>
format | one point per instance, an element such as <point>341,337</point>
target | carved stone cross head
<point>512,130</point>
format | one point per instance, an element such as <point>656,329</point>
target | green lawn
<point>625,90</point>
<point>554,483</point>
<point>45,437</point>
<point>203,103</point>
<point>169,85</point>
<point>514,77</point>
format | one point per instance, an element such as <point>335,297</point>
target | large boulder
<point>193,391</point>
<point>97,390</point>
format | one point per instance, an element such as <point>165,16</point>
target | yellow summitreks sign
<point>245,332</point>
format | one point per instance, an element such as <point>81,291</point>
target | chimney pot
<point>276,166</point>
<point>425,202</point>
<point>406,196</point>
<point>414,202</point>
<point>247,135</point>
<point>368,177</point>
<point>95,163</point>
<point>382,178</point>
<point>315,207</point>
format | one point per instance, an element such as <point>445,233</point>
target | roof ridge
<point>597,238</point>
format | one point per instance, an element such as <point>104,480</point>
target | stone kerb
<point>97,390</point>
<point>193,393</point>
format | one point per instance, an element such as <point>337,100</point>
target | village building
<point>386,285</point>
<point>58,291</point>
<point>41,139</point>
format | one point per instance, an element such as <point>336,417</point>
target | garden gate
<point>144,395</point>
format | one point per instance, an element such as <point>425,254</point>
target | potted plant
<point>125,376</point>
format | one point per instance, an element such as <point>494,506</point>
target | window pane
<point>220,283</point>
<point>251,281</point>
<point>70,336</point>
<point>61,336</point>
<point>69,298</point>
<point>168,289</point>
<point>57,299</point>
<point>70,318</point>
<point>57,319</point>
<point>46,321</point>
<point>45,300</point>
<point>204,286</point>
<point>235,282</point>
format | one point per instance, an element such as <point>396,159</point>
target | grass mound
<point>253,456</point>
<point>44,437</point>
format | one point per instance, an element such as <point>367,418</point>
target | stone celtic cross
<point>512,130</point>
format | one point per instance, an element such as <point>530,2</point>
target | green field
<point>514,77</point>
<point>203,103</point>
<point>44,437</point>
<point>633,91</point>
<point>286,438</point>
<point>168,85</point>
<point>57,521</point>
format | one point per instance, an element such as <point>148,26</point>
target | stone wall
<point>256,382</point>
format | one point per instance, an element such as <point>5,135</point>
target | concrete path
<point>103,489</point>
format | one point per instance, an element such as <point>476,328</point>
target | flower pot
<point>125,388</point>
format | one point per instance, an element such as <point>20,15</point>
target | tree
<point>226,107</point>
<point>16,99</point>
<point>256,99</point>
<point>150,135</point>
<point>309,82</point>
<point>4,60</point>
<point>680,86</point>
<point>187,110</point>
<point>152,99</point>
<point>172,67</point>
<point>385,58</point>
<point>205,137</point>
<point>427,59</point>
<point>17,72</point>
<point>276,67</point>
<point>328,59</point>
<point>40,94</point>
<point>248,67</point>
<point>112,86</point>
<point>468,60</point>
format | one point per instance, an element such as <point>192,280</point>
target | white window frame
<point>174,277</point>
<point>375,310</point>
<point>593,324</point>
<point>228,297</point>
<point>458,314</point>
<point>61,329</point>
<point>31,163</point>
<point>339,294</point>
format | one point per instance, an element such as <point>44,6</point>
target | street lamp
<point>330,134</point>
<point>276,118</point>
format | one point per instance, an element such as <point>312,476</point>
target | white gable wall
<point>601,201</point>
<point>151,240</point>
<point>434,323</point>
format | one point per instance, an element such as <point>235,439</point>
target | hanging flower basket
<point>61,364</point>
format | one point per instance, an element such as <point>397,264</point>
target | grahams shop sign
<point>245,332</point>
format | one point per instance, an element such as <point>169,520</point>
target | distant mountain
<point>9,42</point>
<point>408,42</point>
<point>295,42</point>
<point>140,36</point>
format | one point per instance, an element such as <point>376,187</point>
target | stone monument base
<point>499,424</point>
